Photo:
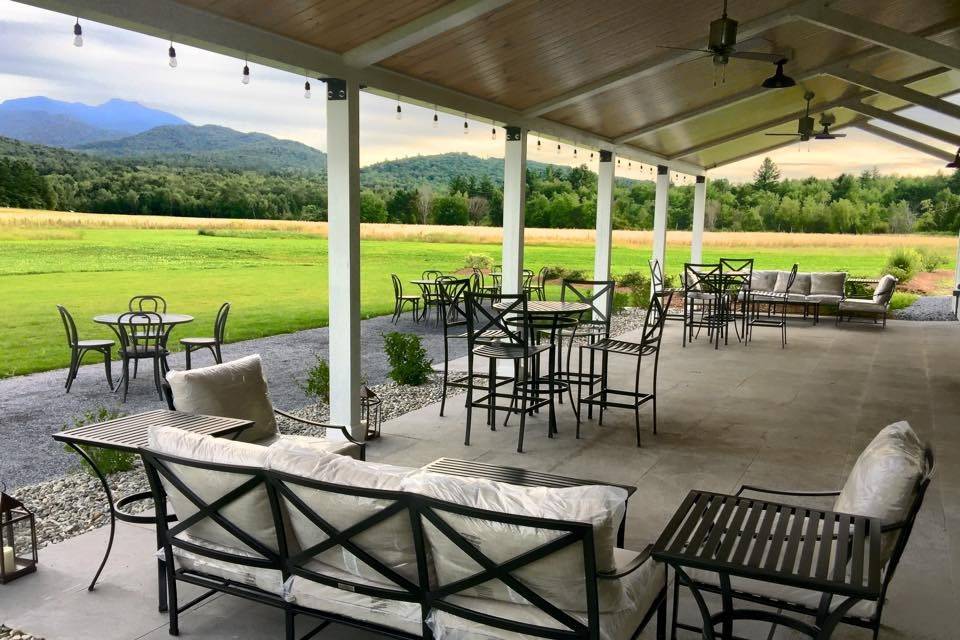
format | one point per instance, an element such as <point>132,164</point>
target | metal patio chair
<point>647,347</point>
<point>538,286</point>
<point>431,299</point>
<point>212,343</point>
<point>737,279</point>
<point>149,302</point>
<point>479,284</point>
<point>658,283</point>
<point>399,299</point>
<point>702,300</point>
<point>774,304</point>
<point>79,348</point>
<point>142,338</point>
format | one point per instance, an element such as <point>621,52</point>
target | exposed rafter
<point>900,121</point>
<point>885,36</point>
<point>447,17</point>
<point>905,141</point>
<point>897,90</point>
<point>649,68</point>
<point>195,27</point>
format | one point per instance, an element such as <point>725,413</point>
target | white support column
<point>660,214</point>
<point>514,197</point>
<point>956,272</point>
<point>343,195</point>
<point>699,212</point>
<point>606,176</point>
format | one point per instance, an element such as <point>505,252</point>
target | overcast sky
<point>37,57</point>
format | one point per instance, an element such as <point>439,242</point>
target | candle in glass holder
<point>9,563</point>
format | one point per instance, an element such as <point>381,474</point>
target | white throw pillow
<point>236,389</point>
<point>251,512</point>
<point>559,577</point>
<point>884,480</point>
<point>390,541</point>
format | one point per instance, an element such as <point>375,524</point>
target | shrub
<point>407,358</point>
<point>109,461</point>
<point>317,383</point>
<point>621,301</point>
<point>930,261</point>
<point>477,261</point>
<point>902,264</point>
<point>558,272</point>
<point>639,285</point>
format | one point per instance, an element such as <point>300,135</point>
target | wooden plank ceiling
<point>528,52</point>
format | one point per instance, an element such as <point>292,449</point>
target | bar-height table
<point>739,537</point>
<point>128,434</point>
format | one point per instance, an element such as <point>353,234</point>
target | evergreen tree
<point>767,177</point>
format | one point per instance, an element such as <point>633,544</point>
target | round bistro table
<point>167,320</point>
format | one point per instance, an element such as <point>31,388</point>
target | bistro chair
<point>737,281</point>
<point>538,287</point>
<point>213,343</point>
<point>429,292</point>
<point>153,303</point>
<point>142,338</point>
<point>516,345</point>
<point>526,282</point>
<point>79,348</point>
<point>399,299</point>
<point>658,283</point>
<point>769,308</point>
<point>703,299</point>
<point>647,347</point>
<point>479,284</point>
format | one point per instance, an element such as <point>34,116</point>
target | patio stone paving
<point>795,417</point>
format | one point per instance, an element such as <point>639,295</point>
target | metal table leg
<point>113,515</point>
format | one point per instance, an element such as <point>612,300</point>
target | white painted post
<point>956,273</point>
<point>606,175</point>
<point>660,216</point>
<point>343,196</point>
<point>514,197</point>
<point>699,211</point>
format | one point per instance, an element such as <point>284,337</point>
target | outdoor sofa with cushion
<point>238,389</point>
<point>809,289</point>
<point>401,551</point>
<point>876,305</point>
<point>888,482</point>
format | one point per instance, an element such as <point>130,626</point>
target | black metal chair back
<point>69,325</point>
<point>542,277</point>
<point>483,317</point>
<point>431,274</point>
<point>220,324</point>
<point>656,275</point>
<point>527,279</point>
<point>596,293</point>
<point>656,319</point>
<point>153,303</point>
<point>141,333</point>
<point>702,277</point>
<point>792,277</point>
<point>452,304</point>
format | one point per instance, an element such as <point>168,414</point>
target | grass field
<point>275,275</point>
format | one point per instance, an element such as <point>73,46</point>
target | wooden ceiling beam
<point>907,123</point>
<point>904,141</point>
<point>897,90</point>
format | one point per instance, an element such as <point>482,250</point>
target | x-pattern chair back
<point>568,533</point>
<point>452,301</point>
<point>656,318</point>
<point>300,563</point>
<point>482,316</point>
<point>703,278</point>
<point>596,293</point>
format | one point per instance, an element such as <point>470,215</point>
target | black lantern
<point>370,412</point>
<point>18,539</point>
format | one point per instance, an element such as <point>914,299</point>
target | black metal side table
<point>772,542</point>
<point>128,434</point>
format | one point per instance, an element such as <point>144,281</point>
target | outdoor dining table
<point>168,320</point>
<point>128,434</point>
<point>744,538</point>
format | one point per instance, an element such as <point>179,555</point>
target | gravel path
<point>928,308</point>
<point>34,406</point>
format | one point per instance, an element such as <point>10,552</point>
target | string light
<point>591,155</point>
<point>77,34</point>
<point>574,153</point>
<point>436,118</point>
<point>306,87</point>
<point>172,55</point>
<point>493,131</point>
<point>538,144</point>
<point>558,148</point>
<point>466,125</point>
<point>245,78</point>
<point>399,109</point>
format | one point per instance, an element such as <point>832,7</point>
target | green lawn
<point>276,281</point>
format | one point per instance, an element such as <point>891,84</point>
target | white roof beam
<point>447,17</point>
<point>897,90</point>
<point>649,68</point>
<point>905,141</point>
<point>900,121</point>
<point>882,35</point>
<point>166,18</point>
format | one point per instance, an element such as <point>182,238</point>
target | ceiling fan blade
<point>772,58</point>
<point>663,46</point>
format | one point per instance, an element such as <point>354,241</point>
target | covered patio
<point>592,76</point>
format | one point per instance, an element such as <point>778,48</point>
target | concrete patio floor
<point>795,417</point>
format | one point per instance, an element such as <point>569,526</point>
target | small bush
<point>621,301</point>
<point>108,461</point>
<point>639,285</point>
<point>407,357</point>
<point>930,261</point>
<point>902,264</point>
<point>317,383</point>
<point>477,261</point>
<point>557,272</point>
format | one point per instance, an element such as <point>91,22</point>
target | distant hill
<point>213,146</point>
<point>436,170</point>
<point>115,117</point>
<point>53,129</point>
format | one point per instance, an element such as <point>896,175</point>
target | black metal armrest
<point>637,562</point>
<point>785,492</point>
<point>313,423</point>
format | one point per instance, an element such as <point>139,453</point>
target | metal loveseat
<point>403,552</point>
<point>809,290</point>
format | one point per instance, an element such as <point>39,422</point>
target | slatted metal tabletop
<point>549,307</point>
<point>129,433</point>
<point>775,542</point>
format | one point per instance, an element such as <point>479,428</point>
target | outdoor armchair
<point>876,306</point>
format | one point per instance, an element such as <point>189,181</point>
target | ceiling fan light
<point>779,80</point>
<point>955,163</point>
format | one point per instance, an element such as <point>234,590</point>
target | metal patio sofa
<point>403,552</point>
<point>809,289</point>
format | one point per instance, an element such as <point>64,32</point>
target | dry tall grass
<point>11,219</point>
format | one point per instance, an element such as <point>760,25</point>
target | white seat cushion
<point>234,389</point>
<point>824,298</point>
<point>390,541</point>
<point>319,444</point>
<point>639,590</point>
<point>559,576</point>
<point>884,480</point>
<point>269,580</point>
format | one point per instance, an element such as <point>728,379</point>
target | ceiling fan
<point>826,121</point>
<point>722,45</point>
<point>804,124</point>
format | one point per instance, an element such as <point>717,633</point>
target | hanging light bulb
<point>245,78</point>
<point>538,144</point>
<point>172,54</point>
<point>77,34</point>
<point>574,153</point>
<point>493,131</point>
<point>399,110</point>
<point>591,155</point>
<point>306,89</point>
<point>558,148</point>
<point>466,126</point>
<point>618,162</point>
<point>436,118</point>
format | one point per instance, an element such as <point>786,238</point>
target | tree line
<point>38,177</point>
